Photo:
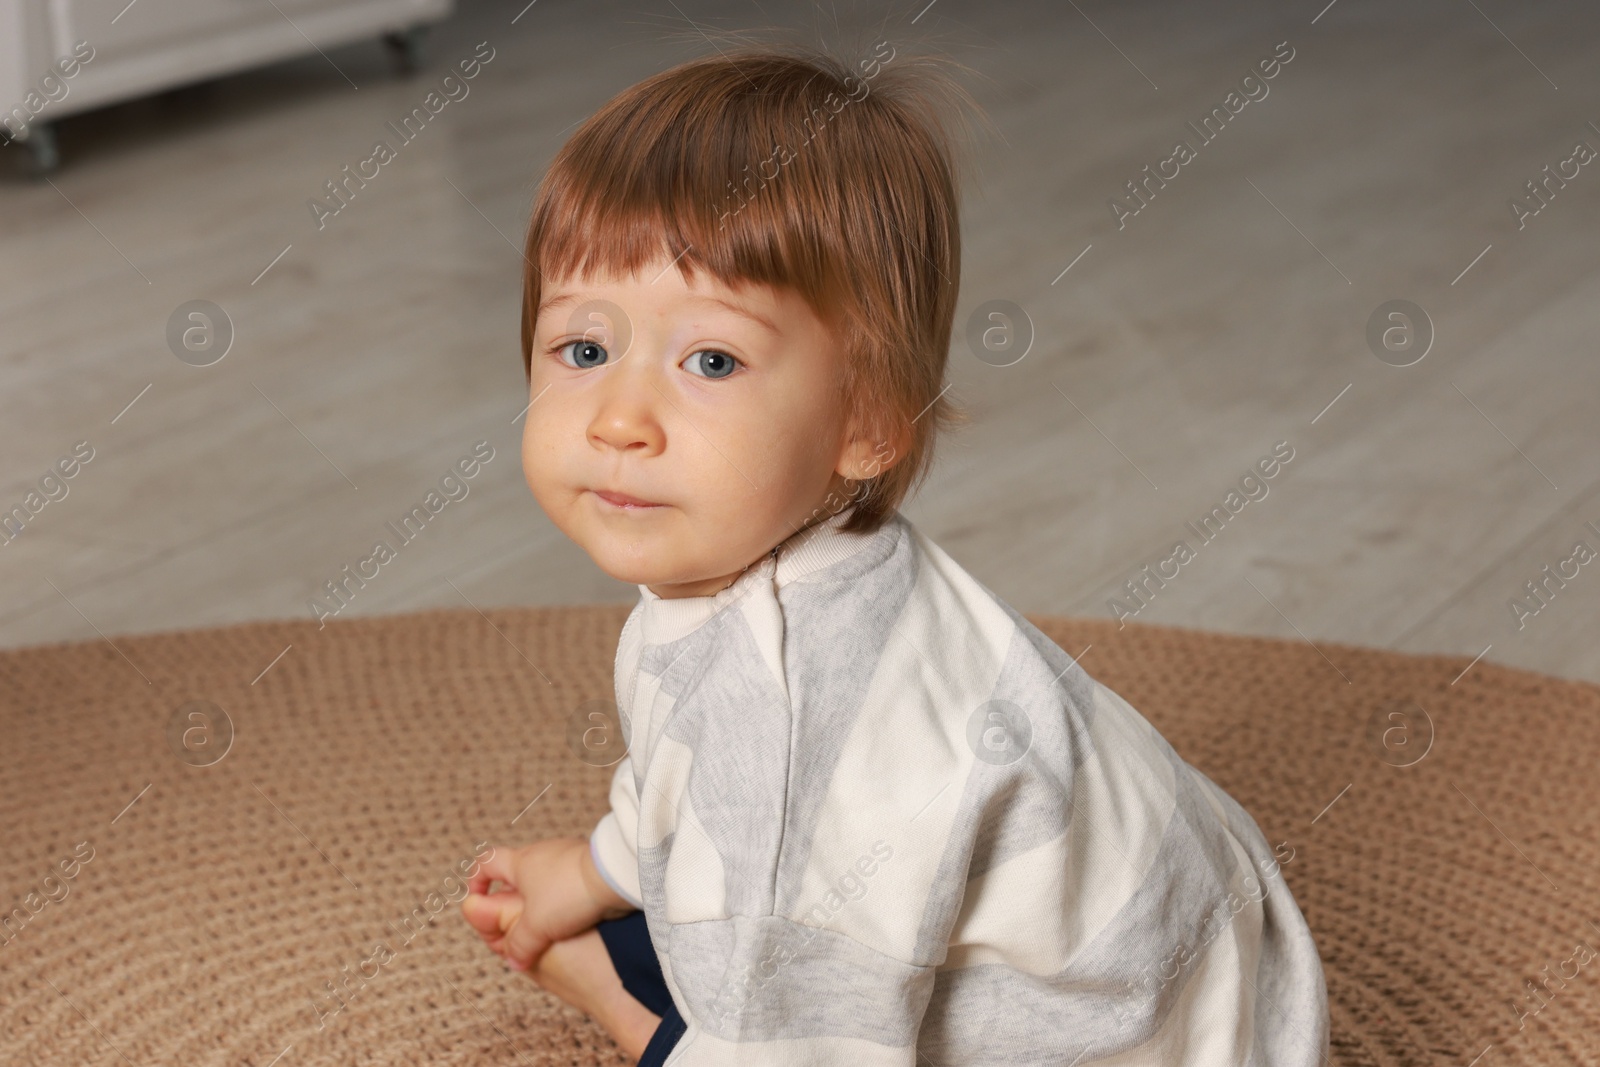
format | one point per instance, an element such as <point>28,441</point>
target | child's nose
<point>627,416</point>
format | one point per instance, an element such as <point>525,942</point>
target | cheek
<point>540,453</point>
<point>530,449</point>
<point>794,433</point>
<point>778,457</point>
<point>810,447</point>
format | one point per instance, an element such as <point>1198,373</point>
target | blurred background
<point>1384,268</point>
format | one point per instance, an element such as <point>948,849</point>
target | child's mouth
<point>623,500</point>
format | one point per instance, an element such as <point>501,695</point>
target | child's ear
<point>867,455</point>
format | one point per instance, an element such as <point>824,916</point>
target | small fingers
<point>496,866</point>
<point>523,943</point>
<point>491,915</point>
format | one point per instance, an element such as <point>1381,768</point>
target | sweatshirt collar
<point>813,549</point>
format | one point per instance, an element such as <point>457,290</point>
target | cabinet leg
<point>43,150</point>
<point>406,46</point>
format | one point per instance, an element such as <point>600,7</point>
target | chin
<point>637,561</point>
<point>631,571</point>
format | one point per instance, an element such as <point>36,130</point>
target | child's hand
<point>546,898</point>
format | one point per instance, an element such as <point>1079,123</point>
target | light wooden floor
<point>1227,316</point>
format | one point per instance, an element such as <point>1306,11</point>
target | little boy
<point>868,815</point>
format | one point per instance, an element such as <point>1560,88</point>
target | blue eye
<point>712,364</point>
<point>588,354</point>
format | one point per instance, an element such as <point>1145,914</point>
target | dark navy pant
<point>628,941</point>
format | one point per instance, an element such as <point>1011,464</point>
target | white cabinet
<point>59,57</point>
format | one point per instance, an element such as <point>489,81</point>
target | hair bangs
<point>704,180</point>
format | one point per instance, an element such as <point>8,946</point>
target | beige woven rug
<point>1445,835</point>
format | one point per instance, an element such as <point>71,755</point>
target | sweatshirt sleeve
<point>614,842</point>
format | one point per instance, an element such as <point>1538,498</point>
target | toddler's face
<point>676,436</point>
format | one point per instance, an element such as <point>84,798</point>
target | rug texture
<point>207,835</point>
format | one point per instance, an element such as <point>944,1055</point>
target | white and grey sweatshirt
<point>875,817</point>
